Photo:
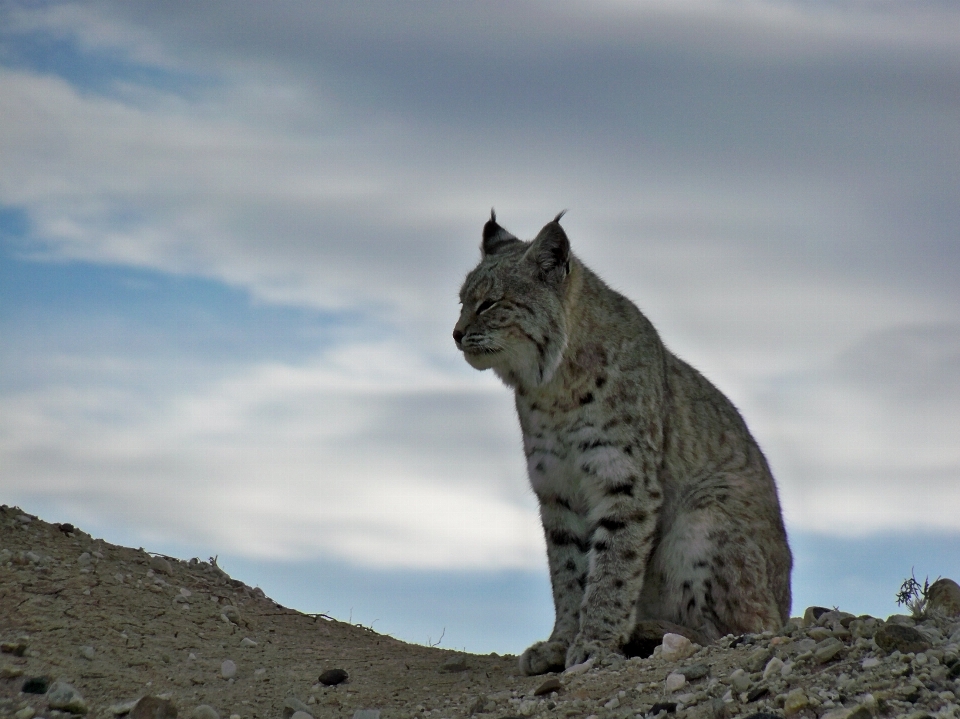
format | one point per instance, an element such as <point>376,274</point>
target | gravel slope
<point>117,624</point>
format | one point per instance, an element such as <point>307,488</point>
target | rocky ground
<point>87,627</point>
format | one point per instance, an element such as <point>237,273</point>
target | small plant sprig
<point>914,595</point>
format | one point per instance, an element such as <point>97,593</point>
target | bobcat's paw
<point>543,657</point>
<point>581,650</point>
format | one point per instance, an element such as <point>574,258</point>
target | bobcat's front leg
<point>567,536</point>
<point>625,499</point>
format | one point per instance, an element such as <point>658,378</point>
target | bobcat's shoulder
<point>658,507</point>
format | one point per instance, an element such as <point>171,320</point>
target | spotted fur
<point>658,507</point>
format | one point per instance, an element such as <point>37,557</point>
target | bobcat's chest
<point>552,443</point>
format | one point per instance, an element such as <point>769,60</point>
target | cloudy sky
<point>232,235</point>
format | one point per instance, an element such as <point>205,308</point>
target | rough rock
<point>65,697</point>
<point>676,647</point>
<point>332,677</point>
<point>203,711</point>
<point>944,596</point>
<point>901,638</point>
<point>151,707</point>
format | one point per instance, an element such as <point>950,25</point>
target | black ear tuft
<point>557,218</point>
<point>495,238</point>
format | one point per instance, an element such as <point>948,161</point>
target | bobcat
<point>659,509</point>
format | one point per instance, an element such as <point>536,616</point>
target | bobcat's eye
<point>485,305</point>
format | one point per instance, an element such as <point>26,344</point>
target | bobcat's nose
<point>457,336</point>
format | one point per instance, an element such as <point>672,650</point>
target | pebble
<point>64,696</point>
<point>551,685</point>
<point>674,681</point>
<point>18,648</point>
<point>151,707</point>
<point>454,664</point>
<point>204,711</point>
<point>332,677</point>
<point>757,659</point>
<point>366,714</point>
<point>301,715</point>
<point>774,666</point>
<point>88,652</point>
<point>292,706</point>
<point>159,564</point>
<point>580,668</point>
<point>795,702</point>
<point>676,647</point>
<point>26,713</point>
<point>228,669</point>
<point>10,671</point>
<point>247,642</point>
<point>122,708</point>
<point>869,662</point>
<point>827,650</point>
<point>695,671</point>
<point>230,613</point>
<point>35,685</point>
<point>739,680</point>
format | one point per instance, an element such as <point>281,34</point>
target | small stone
<point>761,690</point>
<point>695,672</point>
<point>293,706</point>
<point>674,681</point>
<point>580,668</point>
<point>454,664</point>
<point>551,685</point>
<point>332,677</point>
<point>35,685</point>
<point>818,634</point>
<point>676,647</point>
<point>18,648</point>
<point>757,659</point>
<point>668,707</point>
<point>944,596</point>
<point>481,705</point>
<point>301,715</point>
<point>366,714</point>
<point>812,614</point>
<point>32,557</point>
<point>64,696</point>
<point>10,671</point>
<point>161,565</point>
<point>898,637</point>
<point>228,669</point>
<point>88,652</point>
<point>231,614</point>
<point>869,663</point>
<point>26,713</point>
<point>24,519</point>
<point>122,708</point>
<point>84,559</point>
<point>795,702</point>
<point>247,642</point>
<point>150,707</point>
<point>827,650</point>
<point>204,711</point>
<point>739,680</point>
<point>773,667</point>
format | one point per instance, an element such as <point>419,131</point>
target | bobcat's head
<point>513,319</point>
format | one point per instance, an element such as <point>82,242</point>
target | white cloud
<point>765,219</point>
<point>365,454</point>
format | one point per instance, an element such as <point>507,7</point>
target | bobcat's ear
<point>551,251</point>
<point>495,238</point>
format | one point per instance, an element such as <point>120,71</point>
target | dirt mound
<point>115,624</point>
